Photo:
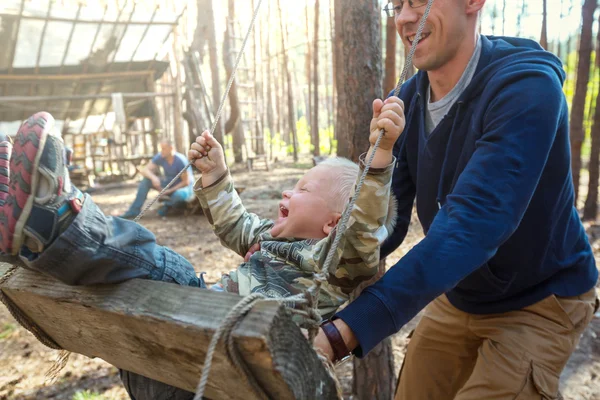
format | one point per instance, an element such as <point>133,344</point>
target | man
<point>171,163</point>
<point>505,269</point>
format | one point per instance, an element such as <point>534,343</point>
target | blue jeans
<point>177,198</point>
<point>98,249</point>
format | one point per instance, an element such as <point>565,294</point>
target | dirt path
<point>24,361</point>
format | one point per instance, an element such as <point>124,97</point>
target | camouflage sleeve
<point>357,258</point>
<point>236,228</point>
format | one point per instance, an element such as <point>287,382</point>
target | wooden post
<point>181,144</point>
<point>374,374</point>
<point>162,331</point>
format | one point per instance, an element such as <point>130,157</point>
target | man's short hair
<point>344,173</point>
<point>166,140</point>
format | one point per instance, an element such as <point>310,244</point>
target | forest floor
<point>24,360</point>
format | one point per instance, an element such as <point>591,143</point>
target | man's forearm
<point>180,185</point>
<point>147,173</point>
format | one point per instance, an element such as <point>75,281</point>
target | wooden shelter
<point>100,69</point>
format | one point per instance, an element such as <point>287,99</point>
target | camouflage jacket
<point>284,267</point>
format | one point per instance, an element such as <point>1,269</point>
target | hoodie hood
<point>499,55</point>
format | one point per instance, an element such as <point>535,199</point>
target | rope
<point>225,330</point>
<point>21,317</point>
<point>26,322</point>
<point>219,111</point>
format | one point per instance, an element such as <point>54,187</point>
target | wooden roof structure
<point>68,57</point>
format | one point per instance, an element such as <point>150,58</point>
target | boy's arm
<point>357,256</point>
<point>232,223</point>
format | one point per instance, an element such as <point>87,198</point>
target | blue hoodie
<point>494,194</point>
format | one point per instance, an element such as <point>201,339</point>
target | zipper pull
<point>439,205</point>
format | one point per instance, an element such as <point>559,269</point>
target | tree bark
<point>290,88</point>
<point>308,68</point>
<point>360,78</point>
<point>544,35</point>
<point>590,209</point>
<point>411,67</point>
<point>578,104</point>
<point>503,16</point>
<point>269,86</point>
<point>234,123</point>
<point>359,82</point>
<point>333,53</point>
<point>374,374</point>
<point>391,38</point>
<point>206,7</point>
<point>315,103</point>
<point>341,135</point>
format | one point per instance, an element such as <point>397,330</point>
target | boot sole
<point>5,152</point>
<point>24,177</point>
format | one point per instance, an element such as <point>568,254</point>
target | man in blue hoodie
<point>505,269</point>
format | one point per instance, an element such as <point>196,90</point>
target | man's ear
<point>331,223</point>
<point>474,6</point>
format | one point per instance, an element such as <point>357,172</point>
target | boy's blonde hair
<point>343,178</point>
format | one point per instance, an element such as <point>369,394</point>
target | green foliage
<point>6,330</point>
<point>88,395</point>
<point>592,94</point>
<point>327,144</point>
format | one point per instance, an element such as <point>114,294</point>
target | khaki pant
<point>516,355</point>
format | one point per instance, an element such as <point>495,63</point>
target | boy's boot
<point>5,152</point>
<point>41,201</point>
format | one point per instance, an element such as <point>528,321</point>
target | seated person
<point>171,163</point>
<point>58,231</point>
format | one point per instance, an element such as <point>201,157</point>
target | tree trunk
<point>374,374</point>
<point>411,67</point>
<point>590,209</point>
<point>503,16</point>
<point>391,38</point>
<point>258,110</point>
<point>578,104</point>
<point>494,17</point>
<point>269,85</point>
<point>359,83</point>
<point>211,38</point>
<point>290,88</point>
<point>544,35</point>
<point>234,123</point>
<point>332,22</point>
<point>361,75</point>
<point>341,135</point>
<point>315,103</point>
<point>308,67</point>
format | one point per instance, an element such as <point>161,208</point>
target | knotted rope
<point>32,327</point>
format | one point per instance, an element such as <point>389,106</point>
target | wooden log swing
<point>163,330</point>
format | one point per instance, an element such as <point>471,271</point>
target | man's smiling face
<point>444,31</point>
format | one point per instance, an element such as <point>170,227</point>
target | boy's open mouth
<point>284,211</point>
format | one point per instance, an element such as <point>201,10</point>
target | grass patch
<point>87,395</point>
<point>6,330</point>
<point>301,165</point>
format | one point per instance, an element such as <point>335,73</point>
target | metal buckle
<point>344,360</point>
